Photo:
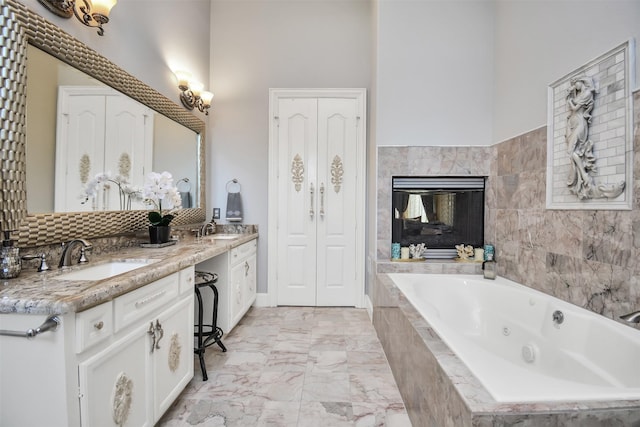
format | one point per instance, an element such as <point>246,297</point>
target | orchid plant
<point>127,192</point>
<point>160,192</point>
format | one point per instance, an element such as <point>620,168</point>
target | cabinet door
<point>236,294</point>
<point>115,384</point>
<point>250,281</point>
<point>173,360</point>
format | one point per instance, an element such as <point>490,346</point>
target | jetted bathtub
<point>524,345</point>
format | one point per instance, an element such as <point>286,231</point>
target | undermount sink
<point>105,270</point>
<point>225,236</point>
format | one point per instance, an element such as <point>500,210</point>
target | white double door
<point>319,205</point>
<point>99,130</point>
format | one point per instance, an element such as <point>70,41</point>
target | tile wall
<point>587,257</point>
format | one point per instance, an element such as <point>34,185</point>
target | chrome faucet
<point>632,317</point>
<point>208,226</point>
<point>65,259</point>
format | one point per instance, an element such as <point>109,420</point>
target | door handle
<point>311,190</point>
<point>322,200</point>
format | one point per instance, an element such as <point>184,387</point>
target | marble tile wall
<point>422,161</point>
<point>585,257</point>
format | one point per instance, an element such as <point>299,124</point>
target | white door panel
<point>80,156</point>
<point>317,146</point>
<point>296,216</point>
<point>337,144</point>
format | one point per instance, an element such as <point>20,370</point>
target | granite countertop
<point>43,293</point>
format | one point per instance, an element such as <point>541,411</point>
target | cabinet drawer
<point>93,326</point>
<point>134,305</point>
<point>243,250</point>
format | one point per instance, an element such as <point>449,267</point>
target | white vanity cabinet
<point>136,377</point>
<point>122,362</point>
<point>236,284</point>
<point>113,384</point>
<point>242,280</point>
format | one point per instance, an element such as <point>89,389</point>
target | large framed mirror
<point>26,198</point>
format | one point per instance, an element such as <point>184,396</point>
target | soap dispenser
<point>10,261</point>
<point>489,267</point>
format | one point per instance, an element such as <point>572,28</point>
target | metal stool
<point>211,333</point>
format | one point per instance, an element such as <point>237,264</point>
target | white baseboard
<point>262,300</point>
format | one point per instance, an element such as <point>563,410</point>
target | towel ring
<point>234,184</point>
<point>186,182</point>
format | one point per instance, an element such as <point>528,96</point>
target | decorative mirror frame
<point>21,27</point>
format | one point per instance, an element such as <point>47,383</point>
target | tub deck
<point>439,390</point>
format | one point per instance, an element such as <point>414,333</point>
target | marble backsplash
<point>110,244</point>
<point>585,257</point>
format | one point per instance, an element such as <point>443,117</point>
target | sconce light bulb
<point>196,88</point>
<point>206,97</point>
<point>102,7</point>
<point>183,78</point>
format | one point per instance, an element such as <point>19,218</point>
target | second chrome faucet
<point>65,258</point>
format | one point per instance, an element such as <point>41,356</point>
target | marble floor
<point>294,366</point>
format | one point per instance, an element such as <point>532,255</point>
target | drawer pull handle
<point>147,300</point>
<point>99,325</point>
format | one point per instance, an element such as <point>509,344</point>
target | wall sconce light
<point>192,94</point>
<point>92,13</point>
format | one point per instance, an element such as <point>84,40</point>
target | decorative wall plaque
<point>590,134</point>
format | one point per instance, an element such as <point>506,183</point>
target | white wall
<point>257,45</point>
<point>538,42</point>
<point>435,72</point>
<point>148,38</point>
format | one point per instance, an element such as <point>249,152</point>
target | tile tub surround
<point>439,390</point>
<point>294,366</point>
<point>430,267</point>
<point>587,257</point>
